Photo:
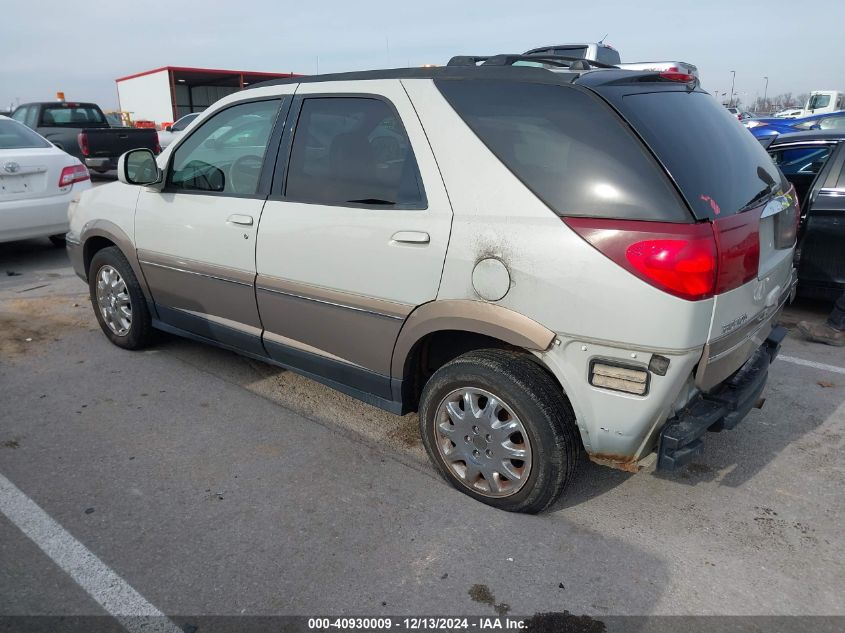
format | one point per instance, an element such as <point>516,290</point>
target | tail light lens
<point>157,147</point>
<point>82,140</point>
<point>678,258</point>
<point>690,261</point>
<point>787,221</point>
<point>72,174</point>
<point>738,244</point>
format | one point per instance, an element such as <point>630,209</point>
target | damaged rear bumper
<point>723,408</point>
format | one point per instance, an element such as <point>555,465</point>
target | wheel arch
<point>440,331</point>
<point>101,234</point>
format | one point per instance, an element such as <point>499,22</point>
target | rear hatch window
<point>720,168</point>
<point>568,147</point>
<point>72,115</point>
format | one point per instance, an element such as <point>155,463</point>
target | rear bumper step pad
<point>724,408</point>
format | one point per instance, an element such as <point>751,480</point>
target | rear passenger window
<point>801,160</point>
<point>566,146</point>
<point>352,151</point>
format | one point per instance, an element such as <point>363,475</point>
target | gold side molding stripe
<point>191,266</point>
<point>336,298</point>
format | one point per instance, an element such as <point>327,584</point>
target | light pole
<point>731,100</point>
<point>765,91</point>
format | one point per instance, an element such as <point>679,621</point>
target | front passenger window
<point>352,151</point>
<point>226,152</point>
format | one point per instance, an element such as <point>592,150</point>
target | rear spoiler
<point>667,66</point>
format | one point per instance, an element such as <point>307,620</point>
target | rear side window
<point>71,115</point>
<point>608,55</point>
<point>801,160</point>
<point>14,135</point>
<point>184,122</point>
<point>20,114</point>
<point>352,151</point>
<point>568,147</point>
<point>719,166</point>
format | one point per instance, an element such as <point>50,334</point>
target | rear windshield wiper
<point>371,201</point>
<point>759,197</point>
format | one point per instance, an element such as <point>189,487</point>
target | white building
<point>162,95</point>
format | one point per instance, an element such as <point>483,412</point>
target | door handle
<point>245,220</point>
<point>411,237</point>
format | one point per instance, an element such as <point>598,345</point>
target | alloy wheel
<point>483,442</point>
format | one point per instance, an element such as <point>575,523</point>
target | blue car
<point>765,128</point>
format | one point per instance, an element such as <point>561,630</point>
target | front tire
<point>118,300</point>
<point>500,430</point>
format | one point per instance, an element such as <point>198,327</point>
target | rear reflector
<point>619,378</point>
<point>72,174</point>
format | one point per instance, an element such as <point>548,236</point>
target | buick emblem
<point>11,167</point>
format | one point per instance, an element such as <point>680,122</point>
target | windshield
<point>720,168</point>
<point>72,115</point>
<point>818,101</point>
<point>184,122</point>
<point>14,135</point>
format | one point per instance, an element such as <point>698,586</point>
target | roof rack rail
<point>572,63</point>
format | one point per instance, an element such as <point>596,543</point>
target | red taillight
<point>738,243</point>
<point>157,146</point>
<point>72,174</point>
<point>674,74</point>
<point>686,267</point>
<point>677,258</point>
<point>690,261</point>
<point>82,139</point>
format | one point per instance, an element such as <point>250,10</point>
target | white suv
<point>537,262</point>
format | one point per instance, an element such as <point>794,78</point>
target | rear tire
<point>497,416</point>
<point>118,301</point>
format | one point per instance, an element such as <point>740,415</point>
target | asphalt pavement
<point>208,483</point>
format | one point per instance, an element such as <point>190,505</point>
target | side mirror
<point>138,167</point>
<point>168,128</point>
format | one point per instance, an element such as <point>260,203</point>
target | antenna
<point>601,41</point>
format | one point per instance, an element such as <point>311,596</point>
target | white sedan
<point>37,183</point>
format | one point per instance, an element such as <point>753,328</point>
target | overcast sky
<point>81,48</point>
